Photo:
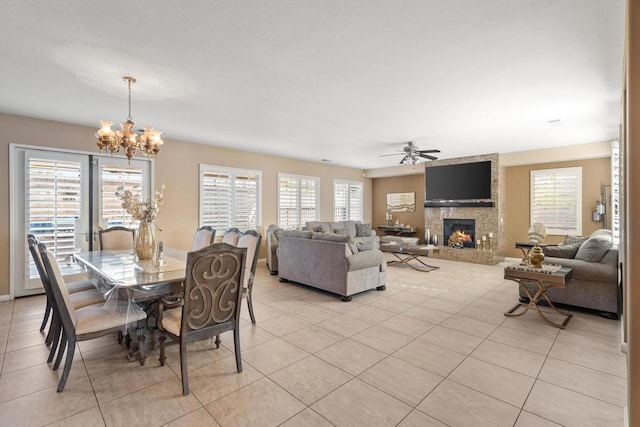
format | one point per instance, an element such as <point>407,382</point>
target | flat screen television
<point>465,184</point>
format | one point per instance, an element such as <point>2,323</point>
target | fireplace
<point>459,233</point>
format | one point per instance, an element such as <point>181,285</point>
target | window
<point>348,200</point>
<point>298,200</point>
<point>230,198</point>
<point>556,199</point>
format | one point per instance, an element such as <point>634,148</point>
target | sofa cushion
<point>339,238</point>
<point>561,251</point>
<point>297,234</point>
<point>278,233</point>
<point>318,226</point>
<point>363,230</point>
<point>350,226</point>
<point>593,249</point>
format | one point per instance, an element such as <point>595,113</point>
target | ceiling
<point>344,81</point>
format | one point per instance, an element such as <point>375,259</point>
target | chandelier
<point>125,138</point>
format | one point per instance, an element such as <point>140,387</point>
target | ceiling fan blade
<point>426,156</point>
<point>428,151</point>
<point>387,155</point>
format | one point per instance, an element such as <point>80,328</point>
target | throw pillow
<point>340,231</point>
<point>365,245</point>
<point>363,230</point>
<point>573,240</point>
<point>593,249</point>
<point>563,251</point>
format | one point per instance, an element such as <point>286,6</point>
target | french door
<point>64,198</point>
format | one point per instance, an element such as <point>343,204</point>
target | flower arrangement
<point>139,210</point>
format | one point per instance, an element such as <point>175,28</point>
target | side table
<point>543,281</point>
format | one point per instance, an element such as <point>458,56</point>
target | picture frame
<point>401,202</point>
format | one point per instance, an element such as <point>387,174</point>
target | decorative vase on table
<point>146,243</point>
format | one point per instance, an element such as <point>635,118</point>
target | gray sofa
<point>365,239</point>
<point>331,262</point>
<point>594,261</point>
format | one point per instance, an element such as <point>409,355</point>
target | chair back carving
<point>116,238</point>
<point>231,236</point>
<point>205,236</point>
<point>213,287</point>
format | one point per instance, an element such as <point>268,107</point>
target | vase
<point>427,237</point>
<point>146,244</point>
<point>536,257</point>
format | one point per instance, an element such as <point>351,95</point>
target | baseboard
<point>5,297</point>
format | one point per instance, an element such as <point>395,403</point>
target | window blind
<point>298,200</point>
<point>230,197</point>
<point>348,200</point>
<point>556,199</point>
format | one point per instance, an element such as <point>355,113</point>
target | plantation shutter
<point>348,201</point>
<point>112,177</point>
<point>556,199</point>
<point>297,200</point>
<point>53,204</point>
<point>230,198</point>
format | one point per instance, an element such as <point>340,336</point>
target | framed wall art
<point>401,202</point>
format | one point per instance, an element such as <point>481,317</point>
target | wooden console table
<point>396,230</point>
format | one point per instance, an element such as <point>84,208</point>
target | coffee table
<point>406,253</point>
<point>543,281</point>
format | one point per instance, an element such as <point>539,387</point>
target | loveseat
<point>331,262</point>
<point>594,261</point>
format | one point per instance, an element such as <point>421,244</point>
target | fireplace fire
<point>459,233</point>
<point>458,238</point>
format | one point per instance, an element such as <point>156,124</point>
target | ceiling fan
<point>412,154</point>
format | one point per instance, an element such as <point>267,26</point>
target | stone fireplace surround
<point>487,219</point>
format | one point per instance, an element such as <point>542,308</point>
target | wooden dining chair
<point>88,322</point>
<point>204,236</point>
<point>81,294</point>
<point>250,239</point>
<point>116,238</point>
<point>211,303</point>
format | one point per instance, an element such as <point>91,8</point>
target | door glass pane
<point>113,173</point>
<point>54,203</point>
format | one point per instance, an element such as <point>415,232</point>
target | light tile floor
<point>434,349</point>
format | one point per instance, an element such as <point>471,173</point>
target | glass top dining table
<point>122,270</point>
